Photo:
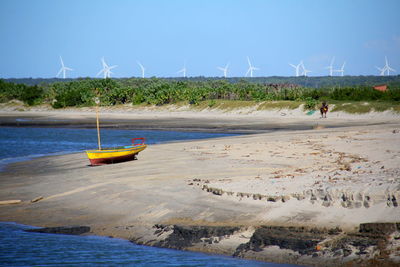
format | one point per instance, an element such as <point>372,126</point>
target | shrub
<point>310,103</point>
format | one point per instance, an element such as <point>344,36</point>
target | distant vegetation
<point>313,82</point>
<point>155,91</point>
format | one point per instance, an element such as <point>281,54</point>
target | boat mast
<point>97,101</point>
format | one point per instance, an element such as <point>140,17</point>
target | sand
<point>298,170</point>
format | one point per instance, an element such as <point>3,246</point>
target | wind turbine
<point>330,67</point>
<point>305,71</point>
<point>141,66</point>
<point>225,70</point>
<point>297,68</point>
<point>183,70</point>
<point>341,70</point>
<point>251,68</point>
<point>387,68</point>
<point>63,69</point>
<point>106,69</point>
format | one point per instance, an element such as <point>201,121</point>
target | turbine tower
<point>225,70</point>
<point>141,66</point>
<point>63,69</point>
<point>305,71</point>
<point>106,69</point>
<point>251,68</point>
<point>297,68</point>
<point>330,67</point>
<point>183,70</point>
<point>341,70</point>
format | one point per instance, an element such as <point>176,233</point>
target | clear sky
<point>163,34</point>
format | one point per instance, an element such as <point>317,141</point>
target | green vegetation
<point>211,93</point>
<point>359,107</point>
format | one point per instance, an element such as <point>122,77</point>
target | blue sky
<point>206,34</point>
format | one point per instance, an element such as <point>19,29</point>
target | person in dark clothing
<point>324,109</point>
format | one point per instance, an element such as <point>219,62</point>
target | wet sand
<point>331,173</point>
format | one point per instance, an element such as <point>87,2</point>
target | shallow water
<point>20,248</point>
<point>18,143</point>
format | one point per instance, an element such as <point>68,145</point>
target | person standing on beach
<point>324,109</point>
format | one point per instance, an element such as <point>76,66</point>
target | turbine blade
<point>62,62</point>
<point>58,74</point>
<point>104,62</point>
<point>100,72</point>
<point>141,66</point>
<point>248,60</point>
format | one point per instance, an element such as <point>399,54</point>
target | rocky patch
<point>374,243</point>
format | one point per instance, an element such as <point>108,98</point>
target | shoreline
<point>171,118</point>
<point>323,196</point>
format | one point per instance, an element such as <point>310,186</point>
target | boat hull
<point>110,156</point>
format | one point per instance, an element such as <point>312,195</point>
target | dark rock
<point>379,228</point>
<point>64,230</point>
<point>334,231</point>
<point>298,239</point>
<point>186,236</point>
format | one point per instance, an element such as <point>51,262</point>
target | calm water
<point>19,248</point>
<point>21,143</point>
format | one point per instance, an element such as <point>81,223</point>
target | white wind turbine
<point>297,68</point>
<point>63,69</point>
<point>330,67</point>
<point>305,71</point>
<point>225,70</point>
<point>387,68</point>
<point>341,70</point>
<point>106,69</point>
<point>183,70</point>
<point>143,69</point>
<point>251,68</point>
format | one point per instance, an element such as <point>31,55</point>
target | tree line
<point>156,91</point>
<point>313,82</point>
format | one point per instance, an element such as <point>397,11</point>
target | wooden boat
<point>117,154</point>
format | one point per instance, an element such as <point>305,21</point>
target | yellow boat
<point>117,154</point>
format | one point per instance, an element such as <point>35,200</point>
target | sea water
<point>19,144</point>
<point>20,248</point>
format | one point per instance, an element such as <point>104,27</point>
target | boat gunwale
<point>122,149</point>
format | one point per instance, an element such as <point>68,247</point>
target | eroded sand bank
<point>225,195</point>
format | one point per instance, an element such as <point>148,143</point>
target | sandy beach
<point>335,182</point>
